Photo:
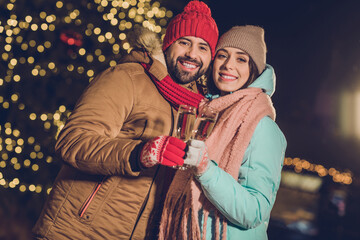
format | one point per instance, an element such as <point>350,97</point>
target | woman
<point>231,195</point>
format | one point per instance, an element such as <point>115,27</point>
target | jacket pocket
<point>86,204</point>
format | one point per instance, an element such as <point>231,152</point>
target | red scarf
<point>174,93</point>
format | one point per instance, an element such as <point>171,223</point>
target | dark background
<point>314,47</point>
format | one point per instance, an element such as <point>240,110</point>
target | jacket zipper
<point>90,198</point>
<point>144,203</point>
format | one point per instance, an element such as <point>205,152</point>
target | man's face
<point>188,58</point>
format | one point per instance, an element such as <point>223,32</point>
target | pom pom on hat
<point>194,21</point>
<point>196,6</point>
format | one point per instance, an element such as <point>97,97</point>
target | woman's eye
<point>242,60</point>
<point>221,56</point>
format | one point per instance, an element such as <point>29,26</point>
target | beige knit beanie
<point>248,38</point>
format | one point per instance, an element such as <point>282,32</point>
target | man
<point>116,141</point>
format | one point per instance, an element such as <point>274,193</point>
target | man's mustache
<point>188,59</point>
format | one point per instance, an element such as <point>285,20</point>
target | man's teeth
<point>188,65</point>
<point>228,77</point>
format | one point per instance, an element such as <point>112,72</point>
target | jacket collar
<point>158,69</point>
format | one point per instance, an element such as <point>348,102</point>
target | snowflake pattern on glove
<point>152,151</point>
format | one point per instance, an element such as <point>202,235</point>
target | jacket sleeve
<point>89,139</point>
<point>248,201</point>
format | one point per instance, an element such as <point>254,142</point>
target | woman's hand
<point>197,156</point>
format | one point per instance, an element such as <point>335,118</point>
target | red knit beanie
<point>194,21</point>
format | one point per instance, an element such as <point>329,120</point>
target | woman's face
<point>230,69</point>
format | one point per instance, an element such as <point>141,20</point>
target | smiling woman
<point>231,69</point>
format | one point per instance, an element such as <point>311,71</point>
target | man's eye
<point>202,48</point>
<point>183,43</point>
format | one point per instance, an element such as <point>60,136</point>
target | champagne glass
<point>204,123</point>
<point>184,123</point>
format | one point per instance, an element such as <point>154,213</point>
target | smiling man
<point>116,145</point>
<point>188,58</point>
<point>189,43</point>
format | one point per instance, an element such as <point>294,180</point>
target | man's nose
<point>192,52</point>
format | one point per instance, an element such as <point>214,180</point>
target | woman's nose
<point>228,64</point>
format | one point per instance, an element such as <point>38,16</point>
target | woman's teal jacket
<point>247,202</point>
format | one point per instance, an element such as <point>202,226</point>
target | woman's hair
<point>254,73</point>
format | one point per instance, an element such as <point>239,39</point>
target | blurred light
<point>20,141</point>
<point>32,188</point>
<point>56,116</point>
<point>47,125</point>
<point>89,58</point>
<point>2,164</point>
<point>112,63</point>
<point>38,189</point>
<point>17,78</point>
<point>37,147</point>
<point>35,167</point>
<point>40,155</point>
<point>17,166</point>
<point>34,27</point>
<point>62,108</point>
<point>59,4</point>
<point>90,73</point>
<point>31,140</point>
<point>126,46</point>
<point>357,114</point>
<point>101,58</point>
<point>299,165</point>
<point>27,163</point>
<point>22,188</point>
<point>49,159</point>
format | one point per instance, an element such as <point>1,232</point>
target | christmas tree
<point>49,51</point>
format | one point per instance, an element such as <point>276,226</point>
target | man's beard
<point>180,76</point>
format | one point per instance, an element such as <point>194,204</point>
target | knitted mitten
<point>197,156</point>
<point>165,150</point>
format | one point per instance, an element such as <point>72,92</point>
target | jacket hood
<point>146,46</point>
<point>266,80</point>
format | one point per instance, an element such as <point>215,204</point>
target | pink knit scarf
<point>240,112</point>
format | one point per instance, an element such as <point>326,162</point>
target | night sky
<point>314,47</point>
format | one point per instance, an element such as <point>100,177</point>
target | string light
<point>43,54</point>
<point>300,165</point>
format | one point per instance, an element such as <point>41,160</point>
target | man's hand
<point>165,150</point>
<point>197,156</point>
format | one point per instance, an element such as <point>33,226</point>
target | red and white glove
<point>165,150</point>
<point>197,156</point>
